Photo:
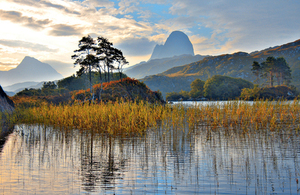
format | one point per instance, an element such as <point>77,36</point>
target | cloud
<point>136,46</point>
<point>45,4</point>
<point>17,17</point>
<point>65,30</point>
<point>28,45</point>
<point>8,64</point>
<point>248,25</point>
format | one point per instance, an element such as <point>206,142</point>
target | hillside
<point>157,66</point>
<point>234,65</point>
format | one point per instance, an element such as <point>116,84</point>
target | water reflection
<point>41,160</point>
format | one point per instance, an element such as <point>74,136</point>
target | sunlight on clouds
<point>56,26</point>
<point>160,38</point>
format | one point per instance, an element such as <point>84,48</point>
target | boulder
<point>6,104</point>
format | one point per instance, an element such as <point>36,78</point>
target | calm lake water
<point>42,160</point>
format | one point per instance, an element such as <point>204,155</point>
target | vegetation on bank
<point>129,118</point>
<point>261,115</point>
<point>216,88</point>
<point>118,117</point>
<point>273,68</point>
<point>126,88</point>
<point>270,93</point>
<point>227,88</point>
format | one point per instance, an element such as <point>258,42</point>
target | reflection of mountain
<point>30,69</point>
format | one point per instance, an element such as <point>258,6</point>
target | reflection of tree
<point>167,159</point>
<point>100,167</point>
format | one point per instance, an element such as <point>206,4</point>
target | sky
<point>49,30</point>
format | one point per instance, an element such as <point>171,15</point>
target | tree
<point>97,54</point>
<point>269,68</point>
<point>283,73</point>
<point>49,85</point>
<point>256,70</point>
<point>273,67</point>
<point>85,57</point>
<point>224,87</point>
<point>197,88</point>
<point>109,57</point>
<point>121,61</point>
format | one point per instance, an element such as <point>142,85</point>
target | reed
<point>271,115</point>
<point>114,118</point>
<point>127,118</point>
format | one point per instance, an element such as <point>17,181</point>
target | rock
<point>6,104</point>
<point>177,44</point>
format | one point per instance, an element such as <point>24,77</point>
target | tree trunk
<point>100,76</point>
<point>108,72</point>
<point>91,85</point>
<point>271,79</point>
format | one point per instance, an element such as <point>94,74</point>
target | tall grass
<point>271,115</point>
<point>113,118</point>
<point>127,118</point>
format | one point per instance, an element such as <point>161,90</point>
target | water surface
<point>42,160</point>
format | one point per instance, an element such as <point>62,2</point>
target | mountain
<point>234,65</point>
<point>15,88</point>
<point>177,51</point>
<point>157,66</point>
<point>176,44</point>
<point>30,69</point>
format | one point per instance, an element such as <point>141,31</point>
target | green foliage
<point>126,89</point>
<point>80,83</point>
<point>273,67</point>
<point>175,96</point>
<point>49,85</point>
<point>223,87</point>
<point>168,84</point>
<point>271,93</point>
<point>197,88</point>
<point>250,94</point>
<point>41,92</point>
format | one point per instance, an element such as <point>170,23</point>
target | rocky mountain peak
<point>178,43</point>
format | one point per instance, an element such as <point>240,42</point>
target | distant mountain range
<point>234,65</point>
<point>15,88</point>
<point>177,51</point>
<point>29,70</point>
